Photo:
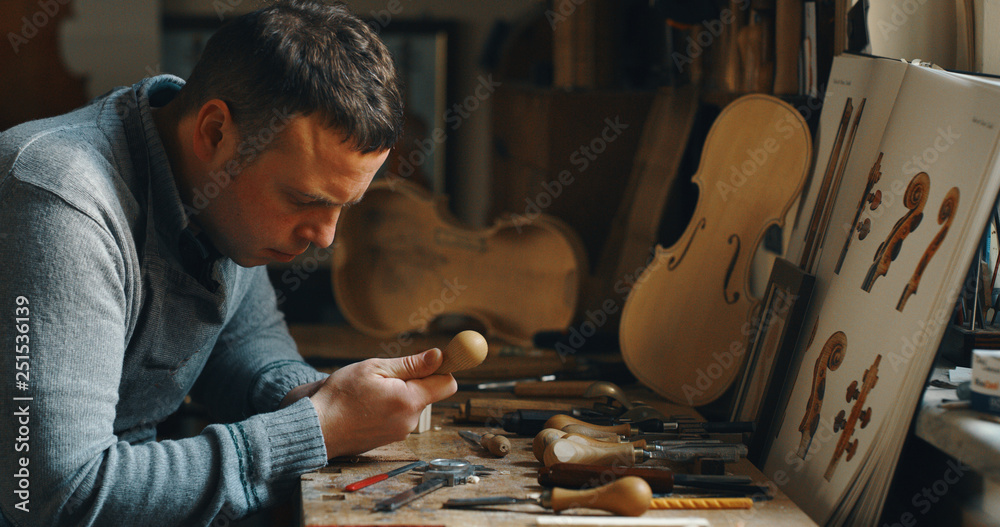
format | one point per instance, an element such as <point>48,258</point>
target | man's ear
<point>214,135</point>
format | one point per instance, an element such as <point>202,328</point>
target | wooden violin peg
<point>852,448</point>
<point>467,350</point>
<point>864,228</point>
<point>628,496</point>
<point>874,199</point>
<point>852,391</point>
<point>866,416</point>
<point>839,421</point>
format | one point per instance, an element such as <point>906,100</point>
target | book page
<point>856,79</point>
<point>885,292</point>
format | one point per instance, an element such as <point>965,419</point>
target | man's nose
<point>320,228</point>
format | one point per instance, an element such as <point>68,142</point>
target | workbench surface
<point>325,503</point>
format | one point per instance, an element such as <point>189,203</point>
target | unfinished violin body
<point>401,260</point>
<point>688,321</point>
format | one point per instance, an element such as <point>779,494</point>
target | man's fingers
<point>415,366</point>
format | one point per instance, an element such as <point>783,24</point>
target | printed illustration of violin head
<point>914,200</point>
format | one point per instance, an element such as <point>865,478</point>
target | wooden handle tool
<point>550,435</point>
<point>628,496</point>
<point>467,350</point>
<point>560,422</point>
<point>497,445</point>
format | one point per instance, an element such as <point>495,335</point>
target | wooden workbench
<point>324,503</point>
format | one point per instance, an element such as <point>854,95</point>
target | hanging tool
<point>661,480</point>
<point>358,485</point>
<point>567,451</point>
<point>628,496</point>
<point>497,445</point>
<point>439,473</point>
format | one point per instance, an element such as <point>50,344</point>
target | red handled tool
<point>357,485</point>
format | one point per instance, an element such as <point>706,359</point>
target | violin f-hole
<point>945,217</point>
<point>914,199</point>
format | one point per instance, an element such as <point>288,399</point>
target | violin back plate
<point>401,260</point>
<point>688,319</point>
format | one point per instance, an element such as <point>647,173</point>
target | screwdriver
<point>628,496</point>
<point>497,445</point>
<point>568,451</point>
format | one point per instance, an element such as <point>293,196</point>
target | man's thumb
<point>417,366</point>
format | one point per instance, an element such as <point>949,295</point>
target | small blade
<point>466,503</point>
<point>397,501</point>
<point>475,438</point>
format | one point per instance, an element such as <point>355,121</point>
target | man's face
<point>288,196</point>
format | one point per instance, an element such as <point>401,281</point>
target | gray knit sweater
<point>111,312</point>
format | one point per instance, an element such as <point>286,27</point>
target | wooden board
<point>325,504</point>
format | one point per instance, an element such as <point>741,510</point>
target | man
<point>132,237</point>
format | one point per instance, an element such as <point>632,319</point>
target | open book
<point>920,176</point>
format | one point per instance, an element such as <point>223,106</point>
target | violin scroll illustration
<point>945,217</point>
<point>914,199</point>
<point>830,358</point>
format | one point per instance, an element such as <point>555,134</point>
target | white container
<point>986,381</point>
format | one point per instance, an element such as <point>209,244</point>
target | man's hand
<point>378,401</point>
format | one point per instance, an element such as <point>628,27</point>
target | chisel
<point>646,429</point>
<point>568,451</point>
<point>497,445</point>
<point>662,480</point>
<point>628,496</point>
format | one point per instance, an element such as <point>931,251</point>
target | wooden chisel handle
<point>566,451</point>
<point>629,496</point>
<point>498,445</point>
<point>576,475</point>
<point>560,422</point>
<point>549,435</point>
<point>591,432</point>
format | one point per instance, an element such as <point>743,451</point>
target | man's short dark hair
<point>301,57</point>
